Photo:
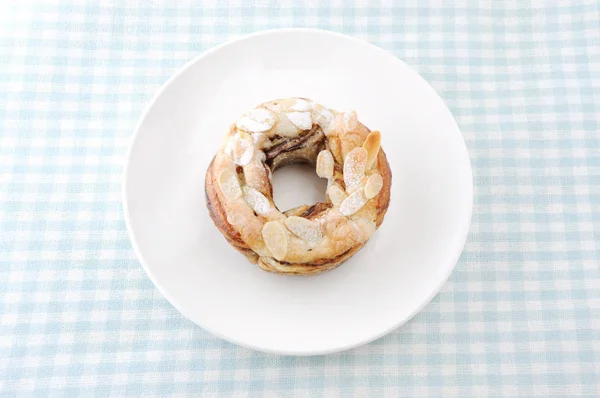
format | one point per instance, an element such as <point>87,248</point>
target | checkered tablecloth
<point>520,315</point>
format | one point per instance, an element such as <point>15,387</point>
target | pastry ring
<point>308,239</point>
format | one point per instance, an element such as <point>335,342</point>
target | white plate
<point>401,268</point>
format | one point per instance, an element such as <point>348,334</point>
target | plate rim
<point>464,228</point>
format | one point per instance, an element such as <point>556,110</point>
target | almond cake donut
<point>308,239</point>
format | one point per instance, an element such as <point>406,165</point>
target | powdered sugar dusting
<point>301,105</point>
<point>336,195</point>
<point>353,203</point>
<point>350,119</point>
<point>259,139</point>
<point>322,116</point>
<point>247,124</point>
<point>262,115</point>
<point>364,228</point>
<point>228,147</point>
<point>307,230</point>
<point>286,128</point>
<point>302,120</point>
<point>257,201</point>
<point>354,167</point>
<point>243,149</point>
<point>326,117</point>
<point>256,121</point>
<point>347,118</point>
<point>229,184</point>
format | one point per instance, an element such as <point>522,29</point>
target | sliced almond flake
<point>325,164</point>
<point>301,105</point>
<point>247,124</point>
<point>228,147</point>
<point>229,184</point>
<point>336,195</point>
<point>329,129</point>
<point>259,139</point>
<point>302,120</point>
<point>373,186</point>
<point>372,144</point>
<point>275,236</point>
<point>256,200</point>
<point>350,121</point>
<point>275,108</point>
<point>363,228</point>
<point>324,118</point>
<point>285,103</point>
<point>256,121</point>
<point>346,118</point>
<point>336,127</point>
<point>236,219</point>
<point>354,168</point>
<point>262,115</point>
<point>286,128</point>
<point>255,176</point>
<point>353,203</point>
<point>307,230</point>
<point>243,149</point>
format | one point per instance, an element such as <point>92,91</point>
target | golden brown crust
<point>308,269</point>
<point>219,217</point>
<point>345,235</point>
<point>383,199</point>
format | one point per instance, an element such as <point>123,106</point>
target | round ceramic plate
<point>399,270</point>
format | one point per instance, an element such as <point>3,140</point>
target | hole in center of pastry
<point>297,184</point>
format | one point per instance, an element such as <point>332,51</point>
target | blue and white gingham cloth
<point>520,315</point>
